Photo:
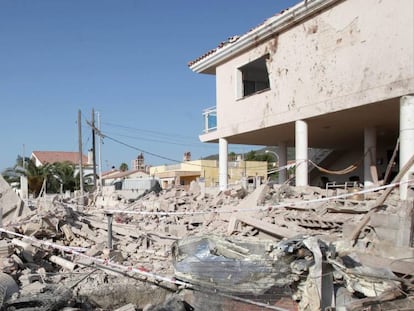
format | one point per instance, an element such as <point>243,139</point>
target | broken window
<point>255,77</point>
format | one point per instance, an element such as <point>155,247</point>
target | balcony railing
<point>210,119</point>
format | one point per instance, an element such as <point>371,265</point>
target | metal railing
<point>210,119</point>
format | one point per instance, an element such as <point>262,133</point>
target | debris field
<point>278,247</point>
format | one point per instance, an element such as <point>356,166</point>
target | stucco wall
<point>208,169</point>
<point>357,52</point>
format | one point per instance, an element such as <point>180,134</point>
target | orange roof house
<point>44,157</point>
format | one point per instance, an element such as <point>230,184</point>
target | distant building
<point>49,157</point>
<point>110,177</point>
<point>182,174</point>
<point>139,163</point>
<point>137,178</point>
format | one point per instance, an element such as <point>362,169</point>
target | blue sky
<point>127,59</point>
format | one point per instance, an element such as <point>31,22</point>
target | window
<point>255,77</point>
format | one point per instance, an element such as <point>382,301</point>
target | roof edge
<point>263,31</point>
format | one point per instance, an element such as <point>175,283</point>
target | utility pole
<point>80,152</point>
<point>99,151</point>
<point>93,149</point>
<point>24,157</point>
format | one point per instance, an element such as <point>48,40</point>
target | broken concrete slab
<point>144,241</point>
<point>10,203</point>
<point>273,230</point>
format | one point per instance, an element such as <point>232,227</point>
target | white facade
<point>339,66</point>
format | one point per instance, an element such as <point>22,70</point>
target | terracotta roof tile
<point>59,156</point>
<point>230,41</point>
<point>119,174</point>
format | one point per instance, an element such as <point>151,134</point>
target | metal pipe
<point>109,215</point>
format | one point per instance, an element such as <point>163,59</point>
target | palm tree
<point>232,156</point>
<point>123,167</point>
<point>62,177</point>
<point>27,167</point>
<point>58,176</point>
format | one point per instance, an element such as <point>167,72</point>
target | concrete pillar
<point>370,151</point>
<point>282,151</point>
<point>301,152</point>
<point>223,159</point>
<point>406,142</point>
<point>24,188</point>
<point>257,182</point>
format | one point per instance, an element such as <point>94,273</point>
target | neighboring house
<point>330,74</point>
<point>50,157</point>
<point>136,178</point>
<point>182,174</point>
<point>109,178</point>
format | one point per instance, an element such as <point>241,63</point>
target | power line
<point>168,135</point>
<point>138,149</point>
<point>153,140</point>
<point>104,135</point>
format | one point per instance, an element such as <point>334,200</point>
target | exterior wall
<point>37,161</point>
<point>138,183</point>
<point>209,172</point>
<point>109,180</point>
<point>337,60</point>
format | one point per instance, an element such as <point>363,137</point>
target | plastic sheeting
<point>236,266</point>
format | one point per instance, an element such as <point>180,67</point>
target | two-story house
<point>331,74</point>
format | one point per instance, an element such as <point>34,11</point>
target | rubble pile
<point>280,247</point>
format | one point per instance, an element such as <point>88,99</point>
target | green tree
<point>58,176</point>
<point>254,156</point>
<point>123,167</point>
<point>62,177</point>
<point>250,156</point>
<point>232,156</point>
<point>12,174</point>
<point>35,175</point>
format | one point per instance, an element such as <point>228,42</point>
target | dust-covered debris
<point>59,255</point>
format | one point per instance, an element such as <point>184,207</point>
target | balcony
<point>210,119</point>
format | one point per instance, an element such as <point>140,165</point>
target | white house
<point>331,74</point>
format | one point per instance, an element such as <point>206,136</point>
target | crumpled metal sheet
<point>369,281</point>
<point>234,266</point>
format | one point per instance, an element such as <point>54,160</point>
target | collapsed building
<point>313,76</point>
<point>280,247</point>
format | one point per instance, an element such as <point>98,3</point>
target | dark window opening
<point>255,76</point>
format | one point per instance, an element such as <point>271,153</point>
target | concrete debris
<point>172,303</point>
<point>10,203</point>
<point>278,247</point>
<point>127,307</point>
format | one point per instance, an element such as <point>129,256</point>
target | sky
<point>125,59</point>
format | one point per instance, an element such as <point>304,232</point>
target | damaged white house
<point>329,74</point>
